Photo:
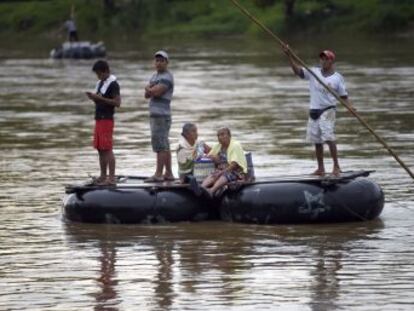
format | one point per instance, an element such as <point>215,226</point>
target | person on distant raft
<point>187,151</point>
<point>321,122</point>
<point>159,91</point>
<point>70,27</point>
<point>106,97</point>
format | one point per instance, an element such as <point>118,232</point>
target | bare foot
<point>318,172</point>
<point>336,171</point>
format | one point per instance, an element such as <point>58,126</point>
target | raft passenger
<point>321,121</point>
<point>106,98</point>
<point>187,151</point>
<point>231,165</point>
<point>71,29</point>
<point>159,91</point>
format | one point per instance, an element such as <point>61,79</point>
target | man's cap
<point>328,54</point>
<point>161,53</point>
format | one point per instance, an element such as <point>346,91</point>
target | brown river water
<point>45,137</point>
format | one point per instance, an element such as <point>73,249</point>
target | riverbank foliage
<point>147,18</point>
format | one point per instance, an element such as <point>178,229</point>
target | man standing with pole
<point>327,88</point>
<point>321,123</point>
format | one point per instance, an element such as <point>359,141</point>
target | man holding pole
<point>320,75</point>
<point>321,122</point>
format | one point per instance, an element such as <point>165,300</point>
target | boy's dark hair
<point>100,66</point>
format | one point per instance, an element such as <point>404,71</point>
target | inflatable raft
<point>289,199</point>
<point>79,50</point>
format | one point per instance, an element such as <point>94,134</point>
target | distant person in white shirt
<point>70,27</point>
<point>322,110</point>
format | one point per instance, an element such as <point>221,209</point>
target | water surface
<point>45,134</point>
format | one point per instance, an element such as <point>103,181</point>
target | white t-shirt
<point>319,97</point>
<point>70,25</point>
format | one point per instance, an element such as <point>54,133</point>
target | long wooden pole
<point>352,111</point>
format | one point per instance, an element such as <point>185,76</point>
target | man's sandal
<point>154,179</point>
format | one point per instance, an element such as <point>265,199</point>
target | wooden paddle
<point>352,111</point>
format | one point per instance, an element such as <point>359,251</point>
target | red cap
<point>328,54</point>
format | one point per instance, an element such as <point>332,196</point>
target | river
<point>45,136</point>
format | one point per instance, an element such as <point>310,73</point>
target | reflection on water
<point>107,284</point>
<point>167,267</point>
<point>45,134</point>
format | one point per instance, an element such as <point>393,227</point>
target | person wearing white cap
<point>322,112</point>
<point>159,91</point>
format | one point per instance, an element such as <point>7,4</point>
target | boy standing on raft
<point>160,91</point>
<point>106,98</point>
<point>321,122</point>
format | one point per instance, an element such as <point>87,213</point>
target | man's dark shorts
<point>160,130</point>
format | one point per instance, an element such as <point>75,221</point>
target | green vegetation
<point>147,18</point>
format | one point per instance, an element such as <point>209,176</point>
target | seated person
<point>230,161</point>
<point>187,151</point>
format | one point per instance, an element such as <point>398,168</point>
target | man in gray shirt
<point>160,90</point>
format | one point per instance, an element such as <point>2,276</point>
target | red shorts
<point>102,136</point>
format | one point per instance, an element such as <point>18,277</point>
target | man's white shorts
<point>322,129</point>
